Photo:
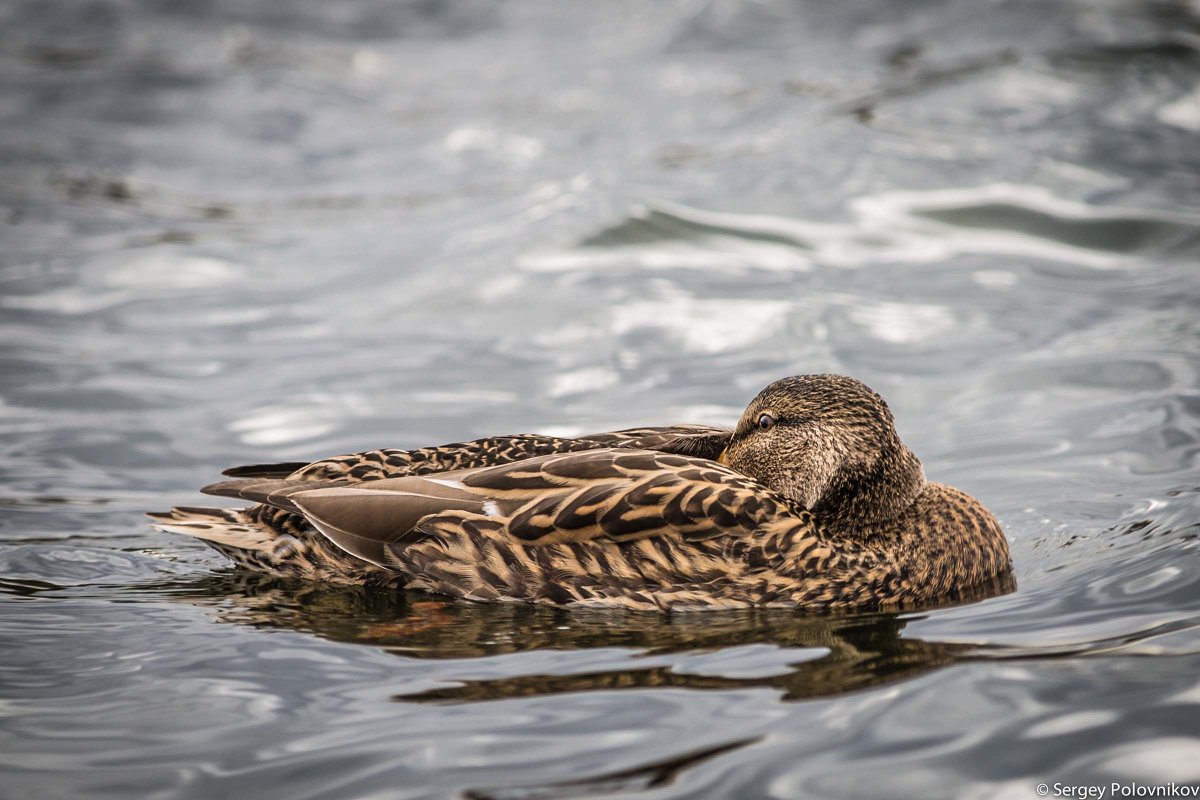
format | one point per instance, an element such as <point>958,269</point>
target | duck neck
<point>862,499</point>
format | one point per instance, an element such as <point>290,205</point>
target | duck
<point>810,501</point>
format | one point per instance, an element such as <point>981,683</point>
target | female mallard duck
<point>812,501</point>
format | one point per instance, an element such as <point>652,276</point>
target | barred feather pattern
<point>596,521</point>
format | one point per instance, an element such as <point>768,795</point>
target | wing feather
<point>280,470</point>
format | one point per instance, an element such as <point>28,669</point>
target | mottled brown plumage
<point>812,501</point>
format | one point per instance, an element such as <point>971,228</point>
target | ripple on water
<point>64,565</point>
<point>889,227</point>
<point>322,228</point>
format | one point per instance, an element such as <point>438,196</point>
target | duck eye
<point>766,422</point>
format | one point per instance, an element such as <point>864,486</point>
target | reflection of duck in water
<point>844,653</point>
<point>812,501</point>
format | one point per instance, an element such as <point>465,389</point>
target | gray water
<point>237,232</point>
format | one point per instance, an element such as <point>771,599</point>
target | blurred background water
<point>238,231</point>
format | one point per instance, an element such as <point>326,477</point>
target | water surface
<point>237,232</point>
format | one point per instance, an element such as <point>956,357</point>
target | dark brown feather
<point>363,521</point>
<point>279,470</point>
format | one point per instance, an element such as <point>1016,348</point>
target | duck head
<point>829,444</point>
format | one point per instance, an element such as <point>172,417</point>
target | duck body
<point>811,501</point>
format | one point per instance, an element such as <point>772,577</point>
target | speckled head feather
<point>829,444</point>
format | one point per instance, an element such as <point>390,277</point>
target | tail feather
<point>219,526</point>
<point>270,540</point>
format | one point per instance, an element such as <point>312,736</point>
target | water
<point>238,232</point>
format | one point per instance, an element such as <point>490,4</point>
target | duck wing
<point>613,494</point>
<point>697,440</point>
